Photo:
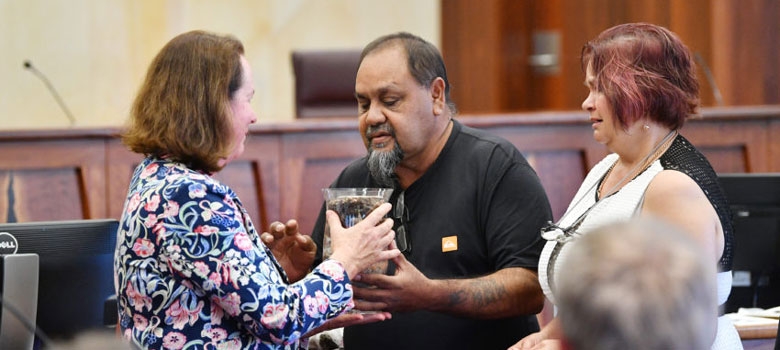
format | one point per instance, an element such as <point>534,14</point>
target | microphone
<point>28,65</point>
<point>710,78</point>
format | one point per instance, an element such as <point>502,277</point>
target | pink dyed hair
<point>644,70</point>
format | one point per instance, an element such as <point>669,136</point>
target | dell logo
<point>8,244</point>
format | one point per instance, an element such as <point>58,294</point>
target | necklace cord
<point>552,231</point>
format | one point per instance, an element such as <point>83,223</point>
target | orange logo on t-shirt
<point>449,244</point>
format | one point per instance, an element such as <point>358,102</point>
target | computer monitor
<point>754,199</point>
<point>75,271</point>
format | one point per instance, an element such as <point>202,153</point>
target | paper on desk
<point>755,316</point>
<point>758,312</point>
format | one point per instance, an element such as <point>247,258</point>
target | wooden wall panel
<point>697,34</point>
<point>316,175</point>
<point>770,54</point>
<point>747,58</point>
<point>561,173</point>
<point>57,180</point>
<point>734,145</point>
<point>471,46</point>
<point>48,194</point>
<point>727,159</point>
<point>243,177</point>
<point>533,84</point>
<point>7,203</point>
<point>74,174</point>
<point>311,161</point>
<point>580,21</point>
<point>119,168</point>
<point>734,39</point>
<point>512,68</point>
<point>256,177</point>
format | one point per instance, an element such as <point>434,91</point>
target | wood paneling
<point>471,46</point>
<point>76,174</point>
<point>311,162</point>
<point>120,166</point>
<point>255,177</point>
<point>734,39</point>
<point>746,60</point>
<point>52,179</point>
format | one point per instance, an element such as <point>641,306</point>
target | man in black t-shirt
<point>468,209</point>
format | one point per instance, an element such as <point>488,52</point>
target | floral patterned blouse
<point>192,273</point>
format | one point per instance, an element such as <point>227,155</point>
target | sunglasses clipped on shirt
<point>401,219</point>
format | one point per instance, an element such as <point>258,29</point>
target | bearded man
<point>468,209</point>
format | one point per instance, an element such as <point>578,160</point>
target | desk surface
<point>756,330</point>
<point>757,336</point>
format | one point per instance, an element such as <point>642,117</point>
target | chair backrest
<point>325,82</point>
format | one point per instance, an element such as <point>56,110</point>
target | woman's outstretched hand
<point>294,250</point>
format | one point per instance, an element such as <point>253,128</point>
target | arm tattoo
<point>482,292</point>
<point>457,297</point>
<point>486,292</point>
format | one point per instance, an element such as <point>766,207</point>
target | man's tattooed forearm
<point>482,293</point>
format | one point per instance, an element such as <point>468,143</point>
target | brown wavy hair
<point>182,110</point>
<point>644,70</point>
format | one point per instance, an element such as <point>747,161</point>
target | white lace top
<point>621,206</point>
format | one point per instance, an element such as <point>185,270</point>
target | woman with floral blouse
<point>191,271</point>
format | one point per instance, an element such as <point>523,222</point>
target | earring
<point>646,127</point>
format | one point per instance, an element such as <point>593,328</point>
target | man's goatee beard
<point>381,165</point>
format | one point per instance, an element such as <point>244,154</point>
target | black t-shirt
<point>481,190</point>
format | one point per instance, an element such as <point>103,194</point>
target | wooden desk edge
<point>760,331</point>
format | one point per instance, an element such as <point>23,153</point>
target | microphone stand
<point>28,65</point>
